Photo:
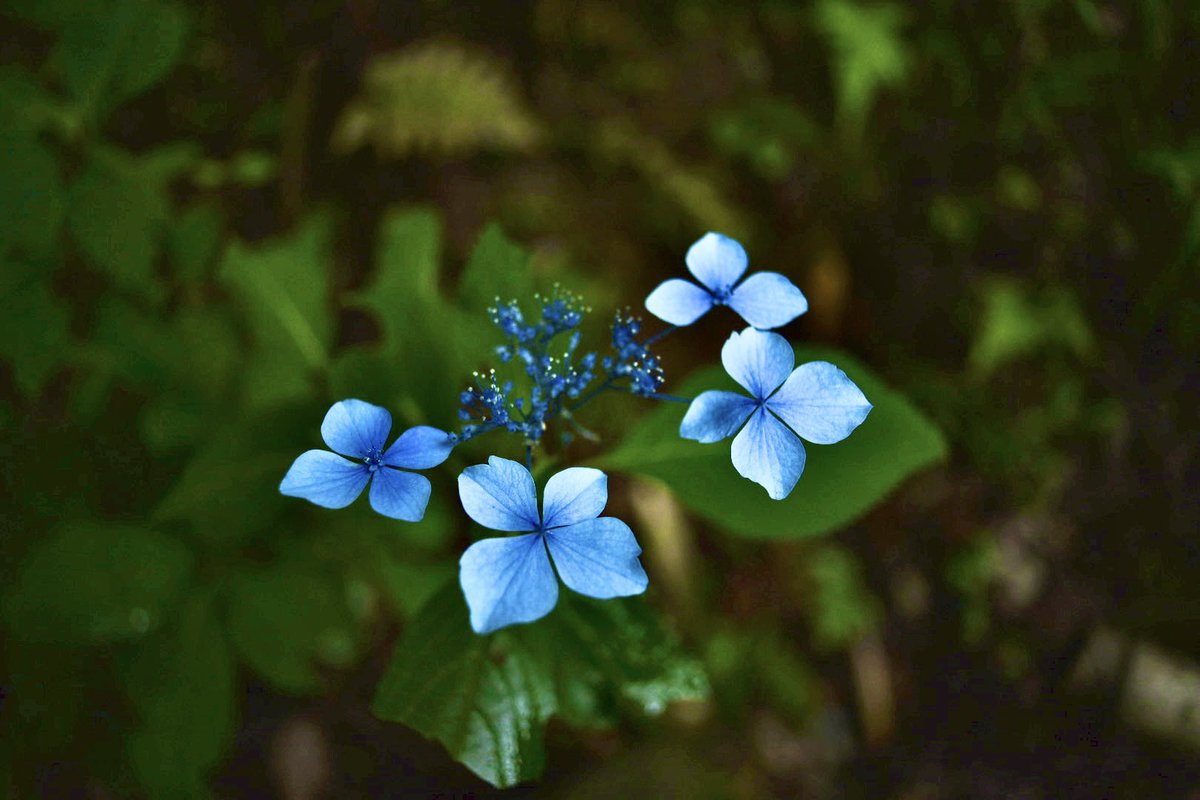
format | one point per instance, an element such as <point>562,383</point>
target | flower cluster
<point>511,580</point>
<point>632,359</point>
<point>554,377</point>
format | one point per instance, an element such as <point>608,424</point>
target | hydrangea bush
<point>511,580</point>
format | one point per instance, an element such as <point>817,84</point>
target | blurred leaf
<point>283,288</point>
<point>497,268</point>
<point>286,621</point>
<point>869,53</point>
<point>47,688</point>
<point>971,571</point>
<point>692,190</point>
<point>430,346</point>
<point>487,698</point>
<point>32,202</point>
<point>44,14</point>
<point>34,328</point>
<point>408,257</point>
<point>25,106</point>
<point>91,582</point>
<point>1017,324</point>
<point>118,213</point>
<point>767,132</point>
<point>230,487</point>
<point>113,51</point>
<point>435,97</point>
<point>181,682</point>
<point>842,609</point>
<point>840,482</point>
<point>193,241</point>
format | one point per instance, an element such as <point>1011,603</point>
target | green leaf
<point>118,210</point>
<point>288,620</point>
<point>25,106</point>
<point>91,583</point>
<point>487,698</point>
<point>181,683</point>
<point>435,97</point>
<point>607,654</point>
<point>111,52</point>
<point>408,256</point>
<point>498,268</point>
<point>842,607</point>
<point>429,346</point>
<point>32,200</point>
<point>34,328</point>
<point>840,482</point>
<point>1017,324</point>
<point>230,487</point>
<point>44,14</point>
<point>869,53</point>
<point>283,289</point>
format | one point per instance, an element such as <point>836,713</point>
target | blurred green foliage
<point>201,247</point>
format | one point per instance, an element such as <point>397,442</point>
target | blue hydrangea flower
<point>815,401</point>
<point>765,299</point>
<point>510,580</point>
<point>359,430</point>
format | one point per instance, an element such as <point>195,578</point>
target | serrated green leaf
<point>33,201</point>
<point>288,620</point>
<point>111,52</point>
<point>283,288</point>
<point>605,654</point>
<point>445,683</point>
<point>91,583</point>
<point>181,683</point>
<point>34,328</point>
<point>840,482</point>
<point>487,698</point>
<point>435,97</point>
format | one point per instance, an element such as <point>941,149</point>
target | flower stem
<point>660,335</point>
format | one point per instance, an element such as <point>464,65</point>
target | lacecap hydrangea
<point>512,580</point>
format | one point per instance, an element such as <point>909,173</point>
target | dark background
<point>994,205</point>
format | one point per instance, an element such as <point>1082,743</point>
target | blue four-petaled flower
<point>510,580</point>
<point>359,430</point>
<point>815,401</point>
<point>765,299</point>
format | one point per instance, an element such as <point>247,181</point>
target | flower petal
<point>820,403</point>
<point>400,495</point>
<point>713,416</point>
<point>354,428</point>
<point>768,300</point>
<point>717,261</point>
<point>507,581</point>
<point>769,454</point>
<point>324,478</point>
<point>758,360</point>
<point>500,495</point>
<point>421,447</point>
<point>574,495</point>
<point>598,558</point>
<point>679,302</point>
